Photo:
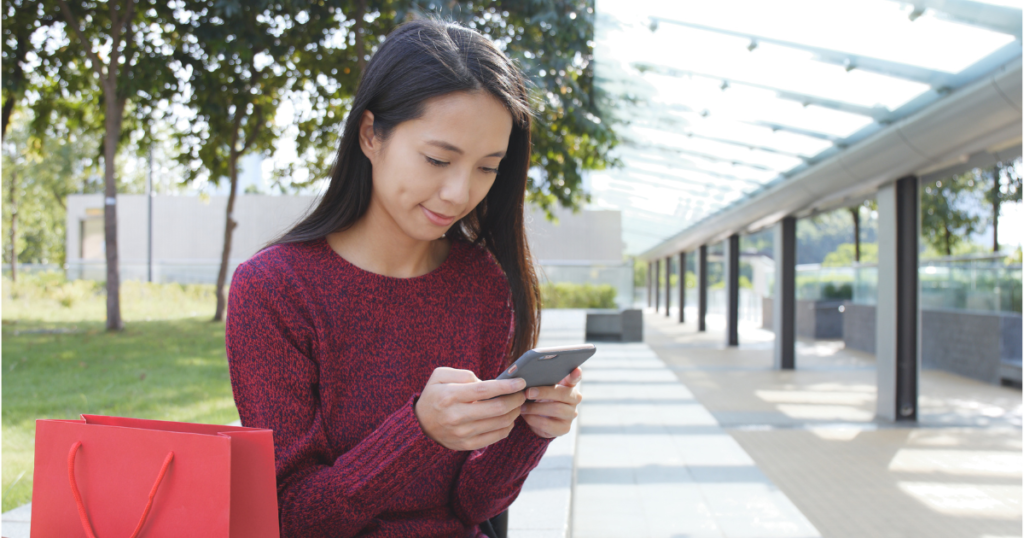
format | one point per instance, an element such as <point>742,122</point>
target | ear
<point>368,142</point>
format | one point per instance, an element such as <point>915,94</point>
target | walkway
<point>812,432</point>
<point>652,461</point>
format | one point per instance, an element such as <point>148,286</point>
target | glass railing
<point>984,284</point>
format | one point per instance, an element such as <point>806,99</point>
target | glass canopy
<point>715,100</point>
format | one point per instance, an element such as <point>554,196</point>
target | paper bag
<point>112,477</point>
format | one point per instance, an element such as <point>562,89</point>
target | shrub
<point>842,291</point>
<point>569,295</point>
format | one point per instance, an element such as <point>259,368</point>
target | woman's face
<point>434,170</point>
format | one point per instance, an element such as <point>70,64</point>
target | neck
<point>375,243</point>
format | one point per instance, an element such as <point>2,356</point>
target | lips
<point>438,219</point>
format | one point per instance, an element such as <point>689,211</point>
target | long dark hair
<point>420,60</point>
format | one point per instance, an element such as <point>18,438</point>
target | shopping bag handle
<point>81,506</point>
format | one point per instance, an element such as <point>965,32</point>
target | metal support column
<point>732,287</point>
<point>657,283</point>
<point>702,288</point>
<point>682,287</point>
<point>784,301</point>
<point>650,285</point>
<point>897,318</point>
<point>668,286</point>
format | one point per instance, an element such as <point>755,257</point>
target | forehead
<point>475,122</point>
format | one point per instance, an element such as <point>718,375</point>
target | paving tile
<point>652,461</point>
<point>811,433</point>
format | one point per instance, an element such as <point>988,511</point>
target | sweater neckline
<point>438,272</point>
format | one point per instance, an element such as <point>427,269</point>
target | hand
<point>553,409</point>
<point>460,412</point>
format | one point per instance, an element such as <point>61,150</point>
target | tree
<point>553,41</point>
<point>946,216</point>
<point>340,36</point>
<point>40,173</point>
<point>22,20</point>
<point>845,255</point>
<point>855,215</point>
<point>241,59</point>
<point>1005,181</point>
<point>125,47</point>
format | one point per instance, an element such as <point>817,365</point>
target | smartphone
<point>546,366</point>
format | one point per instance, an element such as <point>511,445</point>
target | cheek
<point>399,185</point>
<point>479,191</point>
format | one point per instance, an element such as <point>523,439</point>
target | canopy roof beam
<point>1002,19</point>
<point>676,163</point>
<point>705,156</point>
<point>878,113</point>
<point>935,79</point>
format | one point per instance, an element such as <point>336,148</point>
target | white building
<point>188,235</point>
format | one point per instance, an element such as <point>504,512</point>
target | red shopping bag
<point>112,477</point>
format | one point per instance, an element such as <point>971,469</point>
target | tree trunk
<point>949,249</point>
<point>229,228</point>
<point>15,85</point>
<point>995,197</point>
<point>14,226</point>
<point>112,123</point>
<point>855,213</point>
<point>360,42</point>
<point>8,108</point>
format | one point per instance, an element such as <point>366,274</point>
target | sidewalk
<point>652,461</point>
<point>812,432</point>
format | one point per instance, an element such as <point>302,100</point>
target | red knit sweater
<point>331,357</point>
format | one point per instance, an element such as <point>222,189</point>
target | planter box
<point>615,325</point>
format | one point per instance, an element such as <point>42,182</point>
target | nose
<point>455,189</point>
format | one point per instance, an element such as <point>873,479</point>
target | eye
<point>490,170</point>
<point>435,162</point>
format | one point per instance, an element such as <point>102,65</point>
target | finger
<point>558,393</point>
<point>481,427</point>
<point>547,427</point>
<point>489,438</point>
<point>556,410</point>
<point>495,407</point>
<point>572,379</point>
<point>483,390</point>
<point>444,374</point>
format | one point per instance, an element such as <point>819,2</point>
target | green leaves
<point>552,41</point>
<point>947,218</point>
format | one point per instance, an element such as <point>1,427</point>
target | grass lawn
<point>59,362</point>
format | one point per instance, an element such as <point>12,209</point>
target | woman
<point>362,335</point>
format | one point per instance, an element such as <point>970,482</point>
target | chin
<point>424,233</point>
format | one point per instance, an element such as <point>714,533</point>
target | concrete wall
<point>1013,338</point>
<point>971,344</point>
<point>594,236</point>
<point>964,343</point>
<point>814,319</point>
<point>819,320</point>
<point>859,327</point>
<point>189,230</point>
<point>978,345</point>
<point>185,228</point>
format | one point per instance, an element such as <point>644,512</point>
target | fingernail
<point>531,394</point>
<point>520,384</point>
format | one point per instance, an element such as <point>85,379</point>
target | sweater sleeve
<point>490,479</point>
<point>274,376</point>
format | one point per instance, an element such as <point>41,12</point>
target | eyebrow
<point>445,145</point>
